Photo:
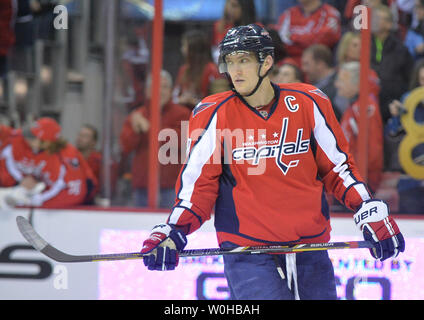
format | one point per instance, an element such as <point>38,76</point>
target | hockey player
<point>264,155</point>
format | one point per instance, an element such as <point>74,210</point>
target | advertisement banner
<point>358,275</point>
<point>28,274</point>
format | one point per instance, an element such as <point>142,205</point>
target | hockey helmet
<point>250,38</point>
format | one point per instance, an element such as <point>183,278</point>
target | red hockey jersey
<point>298,31</point>
<point>266,176</point>
<point>69,180</point>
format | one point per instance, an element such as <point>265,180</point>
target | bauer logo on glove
<point>378,227</point>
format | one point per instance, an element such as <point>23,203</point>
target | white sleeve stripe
<point>328,143</point>
<point>57,187</point>
<point>7,154</point>
<point>199,156</point>
<point>175,215</point>
<point>362,191</point>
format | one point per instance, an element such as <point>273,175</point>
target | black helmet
<point>252,38</point>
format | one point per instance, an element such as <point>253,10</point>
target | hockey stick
<point>44,247</point>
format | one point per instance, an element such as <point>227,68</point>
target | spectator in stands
<point>279,47</point>
<point>135,63</point>
<point>7,34</point>
<point>394,132</point>
<point>236,13</point>
<point>349,49</point>
<point>86,144</point>
<point>40,155</point>
<point>347,84</point>
<point>351,4</point>
<point>389,58</point>
<point>134,137</point>
<point>310,22</point>
<point>414,39</point>
<point>5,133</point>
<point>410,190</point>
<point>198,71</point>
<point>317,65</point>
<point>286,73</point>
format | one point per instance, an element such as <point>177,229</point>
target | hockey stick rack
<point>44,247</point>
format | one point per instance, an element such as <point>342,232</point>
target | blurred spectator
<point>134,137</point>
<point>417,23</point>
<point>198,71</point>
<point>135,63</point>
<point>389,58</point>
<point>414,39</point>
<point>40,155</point>
<point>410,190</point>
<point>236,13</point>
<point>349,49</point>
<point>351,4</point>
<point>86,144</point>
<point>317,65</point>
<point>286,73</point>
<point>220,85</point>
<point>310,22</point>
<point>5,133</point>
<point>347,84</point>
<point>279,47</point>
<point>7,34</point>
<point>394,132</point>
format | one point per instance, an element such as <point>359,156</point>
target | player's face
<point>243,70</point>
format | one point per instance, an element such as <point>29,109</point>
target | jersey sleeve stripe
<point>198,157</point>
<point>178,211</point>
<point>363,191</point>
<point>13,170</point>
<point>328,143</point>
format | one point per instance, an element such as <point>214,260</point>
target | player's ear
<point>267,64</point>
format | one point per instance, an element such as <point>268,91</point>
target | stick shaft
<point>44,247</point>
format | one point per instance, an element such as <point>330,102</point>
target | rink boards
<point>27,274</point>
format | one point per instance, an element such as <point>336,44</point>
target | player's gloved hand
<point>162,247</point>
<point>373,219</point>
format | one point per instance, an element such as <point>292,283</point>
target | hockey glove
<point>162,247</point>
<point>372,218</point>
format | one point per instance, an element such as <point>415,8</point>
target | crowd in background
<point>316,42</point>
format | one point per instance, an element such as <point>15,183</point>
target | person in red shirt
<point>347,84</point>
<point>266,175</point>
<point>198,72</point>
<point>134,137</point>
<point>310,22</point>
<point>39,154</point>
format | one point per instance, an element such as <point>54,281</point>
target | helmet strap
<point>258,84</point>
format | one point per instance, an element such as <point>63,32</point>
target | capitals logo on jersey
<point>278,151</point>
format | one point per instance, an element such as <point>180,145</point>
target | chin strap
<point>258,84</point>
